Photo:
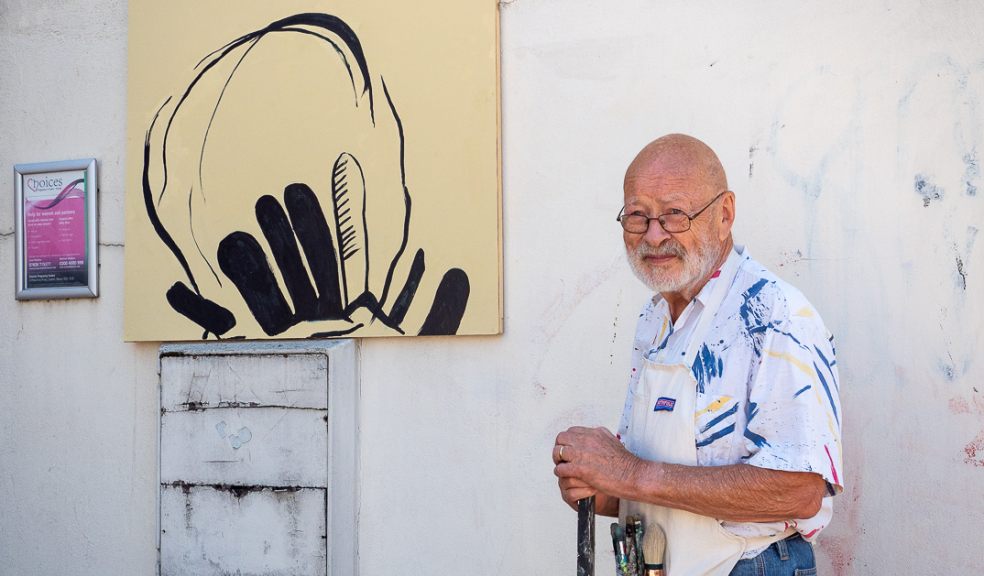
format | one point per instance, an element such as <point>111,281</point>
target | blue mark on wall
<point>927,189</point>
<point>972,172</point>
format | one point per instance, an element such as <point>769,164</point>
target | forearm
<point>737,493</point>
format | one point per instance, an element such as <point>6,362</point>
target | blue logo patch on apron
<point>664,403</point>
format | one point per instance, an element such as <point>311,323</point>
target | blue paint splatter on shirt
<point>717,435</point>
<point>706,366</point>
<point>730,412</point>
<point>830,397</point>
<point>803,389</point>
<point>823,359</point>
<point>751,410</point>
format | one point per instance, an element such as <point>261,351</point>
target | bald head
<point>679,156</point>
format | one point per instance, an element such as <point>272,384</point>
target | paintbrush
<point>653,549</point>
<point>618,543</point>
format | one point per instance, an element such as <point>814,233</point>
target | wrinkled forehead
<point>678,184</point>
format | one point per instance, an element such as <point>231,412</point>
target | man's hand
<point>592,462</point>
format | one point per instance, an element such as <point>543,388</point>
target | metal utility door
<point>246,459</point>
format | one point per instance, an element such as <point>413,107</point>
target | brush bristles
<point>653,546</point>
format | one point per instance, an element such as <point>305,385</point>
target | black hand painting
<point>302,228</point>
<point>304,260</point>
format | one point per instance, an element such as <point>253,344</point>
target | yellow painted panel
<point>302,168</point>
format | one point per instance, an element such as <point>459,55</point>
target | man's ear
<point>727,214</point>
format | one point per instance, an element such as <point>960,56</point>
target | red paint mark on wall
<point>975,451</point>
<point>840,552</point>
<point>959,405</point>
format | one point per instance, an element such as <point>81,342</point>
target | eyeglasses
<point>674,222</point>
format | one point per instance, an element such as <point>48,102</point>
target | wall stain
<point>974,451</point>
<point>971,173</point>
<point>962,273</point>
<point>927,190</point>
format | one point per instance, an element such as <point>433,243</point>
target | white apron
<point>661,428</point>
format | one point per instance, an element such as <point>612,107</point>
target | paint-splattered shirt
<point>767,385</point>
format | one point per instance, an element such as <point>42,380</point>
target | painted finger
<point>311,228</point>
<point>403,300</point>
<point>213,318</point>
<point>242,260</point>
<point>449,305</point>
<point>276,228</point>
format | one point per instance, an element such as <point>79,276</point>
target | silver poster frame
<point>91,289</point>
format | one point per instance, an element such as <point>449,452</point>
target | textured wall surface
<point>852,134</point>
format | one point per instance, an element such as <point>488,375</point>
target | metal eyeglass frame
<point>661,217</point>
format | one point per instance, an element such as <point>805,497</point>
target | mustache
<point>669,247</point>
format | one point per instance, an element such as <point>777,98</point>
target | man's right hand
<point>574,489</point>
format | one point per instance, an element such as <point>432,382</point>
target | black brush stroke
<point>334,333</point>
<point>402,302</point>
<point>194,238</point>
<point>242,260</point>
<point>406,195</point>
<point>211,316</point>
<point>280,237</point>
<point>155,220</point>
<point>314,236</point>
<point>215,110</point>
<point>449,305</point>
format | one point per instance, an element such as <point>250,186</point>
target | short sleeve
<point>793,410</point>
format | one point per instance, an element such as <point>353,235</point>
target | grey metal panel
<point>218,531</point>
<point>245,446</point>
<point>214,381</point>
<point>208,384</point>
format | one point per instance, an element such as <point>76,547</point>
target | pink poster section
<point>55,230</point>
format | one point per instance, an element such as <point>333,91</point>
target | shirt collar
<point>726,273</point>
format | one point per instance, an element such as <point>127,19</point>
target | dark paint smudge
<point>971,173</point>
<point>962,273</point>
<point>927,190</point>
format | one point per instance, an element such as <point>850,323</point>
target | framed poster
<point>56,239</point>
<point>312,168</point>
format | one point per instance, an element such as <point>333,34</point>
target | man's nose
<point>655,234</point>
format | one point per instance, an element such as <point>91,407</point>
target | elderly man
<point>730,437</point>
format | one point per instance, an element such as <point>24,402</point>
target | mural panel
<point>312,169</point>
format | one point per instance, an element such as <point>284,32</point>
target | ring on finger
<point>562,454</point>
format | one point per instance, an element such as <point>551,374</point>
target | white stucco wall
<point>839,123</point>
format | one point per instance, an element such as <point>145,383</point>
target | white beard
<point>696,266</point>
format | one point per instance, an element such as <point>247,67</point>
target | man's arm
<point>594,459</point>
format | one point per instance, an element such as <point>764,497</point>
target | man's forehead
<point>662,186</point>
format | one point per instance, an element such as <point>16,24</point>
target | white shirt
<point>767,385</point>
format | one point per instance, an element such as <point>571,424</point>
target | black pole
<point>585,536</point>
